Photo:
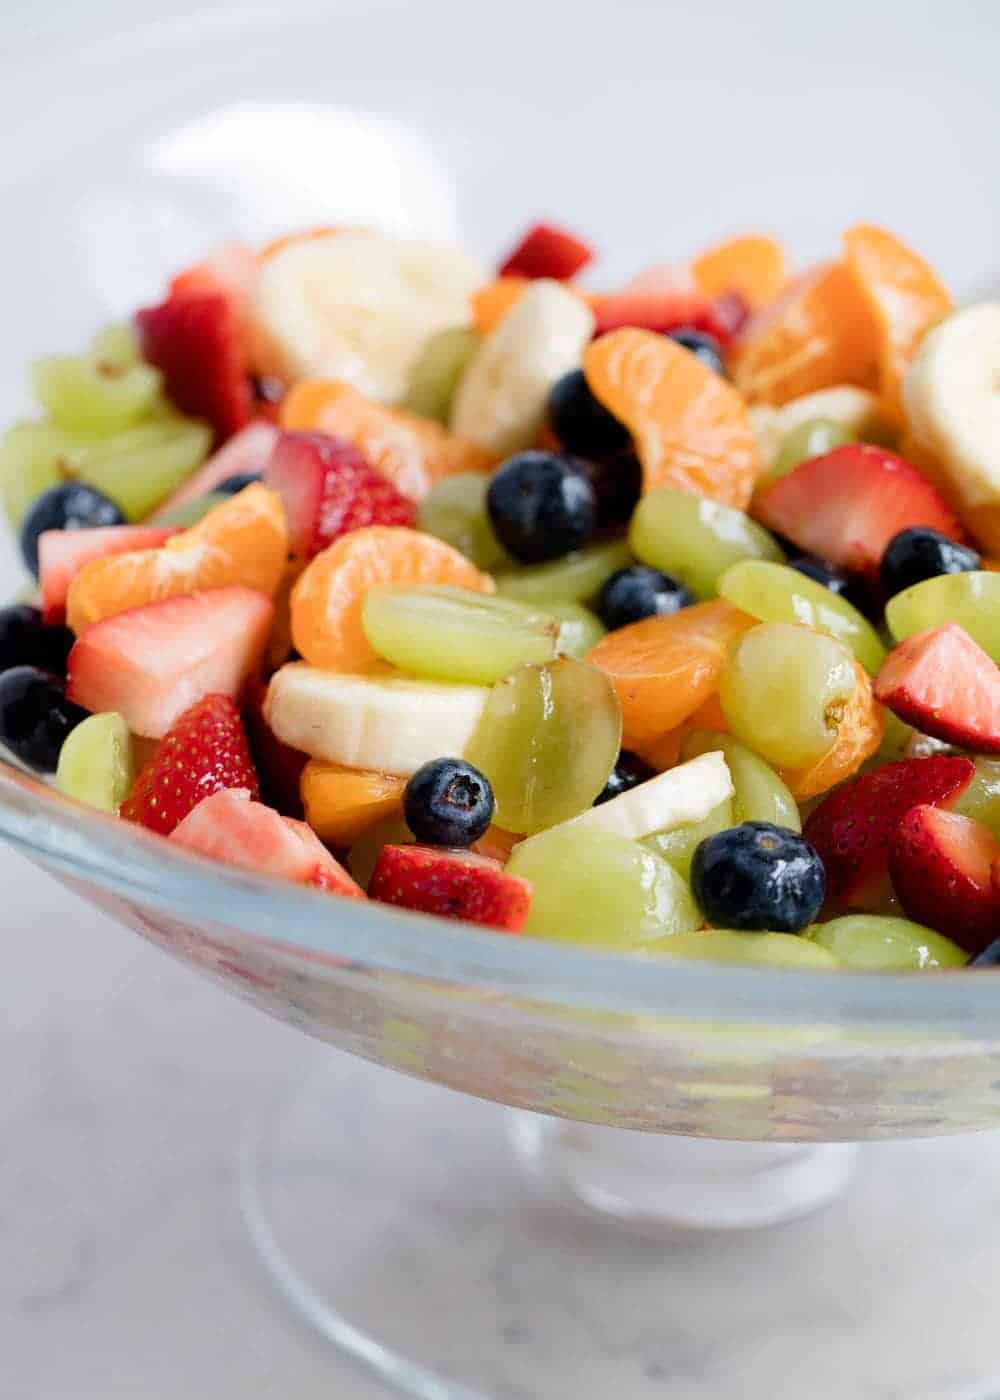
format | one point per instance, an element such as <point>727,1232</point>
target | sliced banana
<point>501,399</point>
<point>357,306</point>
<point>857,410</point>
<point>374,722</point>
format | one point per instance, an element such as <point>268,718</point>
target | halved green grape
<point>595,888</point>
<point>810,439</point>
<point>678,846</point>
<point>759,795</point>
<point>117,344</point>
<point>33,457</point>
<point>776,593</point>
<point>188,513</point>
<point>96,762</point>
<point>695,539</point>
<point>579,628</point>
<point>784,690</point>
<point>548,740</point>
<point>437,370</point>
<point>363,856</point>
<point>981,799</point>
<point>140,468</point>
<point>775,950</point>
<point>454,634</point>
<point>455,511</point>
<point>875,943</point>
<point>574,579</point>
<point>895,741</point>
<point>91,395</point>
<point>972,600</point>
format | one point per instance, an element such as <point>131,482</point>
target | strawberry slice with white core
<point>63,553</point>
<point>944,684</point>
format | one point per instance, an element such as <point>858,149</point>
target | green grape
<point>895,741</point>
<point>695,539</point>
<point>776,950</point>
<point>437,370</point>
<point>595,888</point>
<point>972,600</point>
<point>33,457</point>
<point>812,438</point>
<point>188,513</point>
<point>117,344</point>
<point>575,579</point>
<point>96,762</point>
<point>548,740</point>
<point>759,795</point>
<point>776,593</point>
<point>678,846</point>
<point>981,799</point>
<point>874,943</point>
<point>363,856</point>
<point>455,511</point>
<point>784,691</point>
<point>138,469</point>
<point>86,394</point>
<point>454,634</point>
<point>579,628</point>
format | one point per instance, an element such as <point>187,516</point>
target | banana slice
<point>356,306</point>
<point>501,398</point>
<point>857,410</point>
<point>390,724</point>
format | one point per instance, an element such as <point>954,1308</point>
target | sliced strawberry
<point>205,751</point>
<point>196,341</point>
<point>247,452</point>
<point>328,488</point>
<point>940,865</point>
<point>230,271</point>
<point>548,251</point>
<point>279,765</point>
<point>151,664</point>
<point>846,505</point>
<point>944,684</point>
<point>725,318</point>
<point>63,553</point>
<point>230,827</point>
<point>666,310</point>
<point>853,828</point>
<point>451,884</point>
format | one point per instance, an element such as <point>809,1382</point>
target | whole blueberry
<point>821,572</point>
<point>705,347</point>
<point>580,422</point>
<point>542,505</point>
<point>35,716</point>
<point>617,483</point>
<point>72,506</point>
<point>758,876</point>
<point>232,484</point>
<point>447,802</point>
<point>637,592</point>
<point>989,957</point>
<point>26,641</point>
<point>921,553</point>
<point>628,772</point>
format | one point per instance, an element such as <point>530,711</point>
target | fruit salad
<point>659,617</point>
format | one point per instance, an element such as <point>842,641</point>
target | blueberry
<point>758,876</point>
<point>542,505</point>
<point>704,347</point>
<point>447,802</point>
<point>638,592</point>
<point>35,716</point>
<point>232,484</point>
<point>628,772</point>
<point>580,422</point>
<point>26,641</point>
<point>72,506</point>
<point>921,553</point>
<point>827,574</point>
<point>617,483</point>
<point>989,957</point>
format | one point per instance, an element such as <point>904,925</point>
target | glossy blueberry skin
<point>821,572</point>
<point>758,876</point>
<point>35,716</point>
<point>447,802</point>
<point>72,506</point>
<point>26,641</point>
<point>542,505</point>
<point>628,772</point>
<point>921,553</point>
<point>581,423</point>
<point>989,957</point>
<point>617,483</point>
<point>637,592</point>
<point>705,347</point>
<point>232,484</point>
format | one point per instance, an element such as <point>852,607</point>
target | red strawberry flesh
<point>279,765</point>
<point>451,884</point>
<point>548,251</point>
<point>196,341</point>
<point>63,553</point>
<point>249,451</point>
<point>941,866</point>
<point>944,684</point>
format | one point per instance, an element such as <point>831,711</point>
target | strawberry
<point>230,271</point>
<point>944,684</point>
<point>548,251</point>
<point>329,488</point>
<point>940,865</point>
<point>205,751</point>
<point>846,505</point>
<point>279,765</point>
<point>247,452</point>
<point>151,664</point>
<point>196,341</point>
<point>229,826</point>
<point>63,553</point>
<point>451,884</point>
<point>853,828</point>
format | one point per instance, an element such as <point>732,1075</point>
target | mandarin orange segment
<point>242,541</point>
<point>905,297</point>
<point>691,429</point>
<point>491,303</point>
<point>753,265</point>
<point>413,452</point>
<point>328,597</point>
<point>302,236</point>
<point>858,737</point>
<point>496,843</point>
<point>341,804</point>
<point>665,752</point>
<point>664,669</point>
<point>817,333</point>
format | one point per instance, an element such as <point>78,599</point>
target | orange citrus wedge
<point>341,804</point>
<point>753,265</point>
<point>858,736</point>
